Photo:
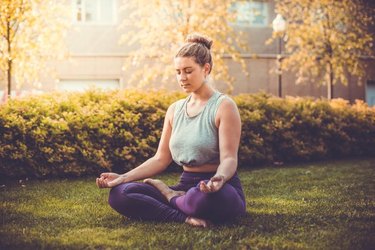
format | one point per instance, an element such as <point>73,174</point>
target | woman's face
<point>190,75</point>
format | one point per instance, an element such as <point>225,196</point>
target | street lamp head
<point>279,24</point>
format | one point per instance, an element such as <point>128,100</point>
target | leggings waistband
<point>190,179</point>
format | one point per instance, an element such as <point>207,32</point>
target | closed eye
<point>186,70</point>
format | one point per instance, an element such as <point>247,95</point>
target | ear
<point>207,68</point>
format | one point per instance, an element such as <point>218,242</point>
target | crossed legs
<point>155,201</point>
<point>225,204</point>
<point>169,193</point>
<point>143,202</point>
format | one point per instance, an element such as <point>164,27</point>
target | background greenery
<point>321,205</point>
<point>80,134</point>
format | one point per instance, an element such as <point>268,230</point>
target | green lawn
<point>325,205</point>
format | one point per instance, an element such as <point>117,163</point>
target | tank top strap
<point>179,106</point>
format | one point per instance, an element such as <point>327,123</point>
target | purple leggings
<point>142,201</point>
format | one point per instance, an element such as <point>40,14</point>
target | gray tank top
<point>194,140</point>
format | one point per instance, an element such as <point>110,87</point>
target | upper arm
<point>228,122</point>
<point>163,152</point>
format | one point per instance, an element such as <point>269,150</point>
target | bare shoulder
<point>227,105</point>
<point>227,111</point>
<point>170,112</point>
<point>171,107</point>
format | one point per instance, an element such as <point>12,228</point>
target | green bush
<point>303,129</point>
<point>76,134</point>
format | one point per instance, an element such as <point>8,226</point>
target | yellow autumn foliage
<point>156,29</point>
<point>31,33</point>
<point>326,38</point>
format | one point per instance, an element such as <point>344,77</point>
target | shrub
<point>303,129</point>
<point>76,134</point>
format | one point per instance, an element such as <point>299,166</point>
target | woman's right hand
<point>108,180</point>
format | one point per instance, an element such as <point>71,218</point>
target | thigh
<point>142,188</point>
<point>143,201</point>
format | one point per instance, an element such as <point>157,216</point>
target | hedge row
<point>76,134</point>
<point>303,129</point>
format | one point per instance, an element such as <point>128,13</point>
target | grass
<point>325,205</point>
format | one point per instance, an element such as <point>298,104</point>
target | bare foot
<point>196,222</point>
<point>164,189</point>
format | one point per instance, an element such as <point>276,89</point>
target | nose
<point>181,77</point>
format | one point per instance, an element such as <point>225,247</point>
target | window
<point>94,11</point>
<point>83,85</point>
<point>251,13</point>
<point>370,93</point>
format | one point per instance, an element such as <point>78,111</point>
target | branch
<point>15,26</point>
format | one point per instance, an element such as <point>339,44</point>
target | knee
<point>195,202</point>
<point>118,196</point>
<point>225,203</point>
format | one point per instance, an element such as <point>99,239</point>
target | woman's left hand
<point>213,185</point>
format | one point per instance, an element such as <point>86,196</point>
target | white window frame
<point>98,13</point>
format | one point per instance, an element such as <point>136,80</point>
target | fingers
<point>104,175</point>
<point>205,188</point>
<point>98,184</point>
<point>213,185</point>
<point>101,183</point>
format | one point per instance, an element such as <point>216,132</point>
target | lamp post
<point>279,26</point>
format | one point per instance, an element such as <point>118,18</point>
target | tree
<point>31,33</point>
<point>156,28</point>
<point>325,38</point>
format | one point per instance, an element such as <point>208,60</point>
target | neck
<point>202,94</point>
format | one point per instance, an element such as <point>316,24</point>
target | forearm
<point>149,168</point>
<point>227,168</point>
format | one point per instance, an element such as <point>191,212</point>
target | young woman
<point>202,134</point>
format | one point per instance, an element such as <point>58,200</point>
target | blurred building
<point>97,58</point>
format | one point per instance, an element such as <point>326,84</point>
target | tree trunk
<point>330,83</point>
<point>9,77</point>
<point>9,61</point>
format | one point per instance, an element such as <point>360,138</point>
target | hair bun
<point>198,38</point>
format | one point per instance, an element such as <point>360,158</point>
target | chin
<point>187,90</point>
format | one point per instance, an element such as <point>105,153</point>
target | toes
<point>148,181</point>
<point>196,222</point>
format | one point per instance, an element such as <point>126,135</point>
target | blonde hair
<point>197,46</point>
